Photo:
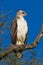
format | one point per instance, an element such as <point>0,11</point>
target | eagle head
<point>21,13</point>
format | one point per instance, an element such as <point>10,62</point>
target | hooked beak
<point>25,14</point>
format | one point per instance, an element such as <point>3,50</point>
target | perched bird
<point>19,29</point>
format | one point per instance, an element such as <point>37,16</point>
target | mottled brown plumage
<point>14,31</point>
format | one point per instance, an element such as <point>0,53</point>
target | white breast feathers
<point>21,30</point>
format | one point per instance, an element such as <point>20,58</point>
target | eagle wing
<point>13,31</point>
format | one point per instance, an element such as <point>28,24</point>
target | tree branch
<point>24,47</point>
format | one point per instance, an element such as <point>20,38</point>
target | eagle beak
<point>25,14</point>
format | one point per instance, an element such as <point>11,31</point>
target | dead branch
<point>16,48</point>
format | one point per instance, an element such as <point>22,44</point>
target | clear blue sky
<point>34,9</point>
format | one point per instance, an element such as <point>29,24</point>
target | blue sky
<point>34,9</point>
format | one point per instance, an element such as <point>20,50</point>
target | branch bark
<point>24,47</point>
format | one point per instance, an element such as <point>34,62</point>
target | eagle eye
<point>23,13</point>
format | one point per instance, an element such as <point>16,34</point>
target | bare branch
<point>42,30</point>
<point>7,51</point>
<point>24,47</point>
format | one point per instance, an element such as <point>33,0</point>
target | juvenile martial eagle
<point>19,28</point>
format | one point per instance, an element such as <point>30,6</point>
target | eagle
<point>19,29</point>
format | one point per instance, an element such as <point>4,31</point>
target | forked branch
<point>24,47</point>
